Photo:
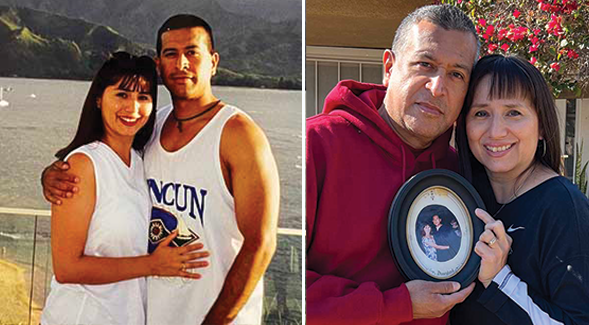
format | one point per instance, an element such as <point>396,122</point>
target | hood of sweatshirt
<point>358,103</point>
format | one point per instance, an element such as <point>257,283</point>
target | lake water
<point>33,128</point>
<point>42,118</point>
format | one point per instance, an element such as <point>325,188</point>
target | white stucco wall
<point>582,126</point>
<point>561,110</point>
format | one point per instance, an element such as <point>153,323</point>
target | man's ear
<point>388,60</point>
<point>215,60</point>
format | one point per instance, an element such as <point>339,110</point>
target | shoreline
<point>214,84</point>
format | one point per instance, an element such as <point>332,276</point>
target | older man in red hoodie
<point>367,142</point>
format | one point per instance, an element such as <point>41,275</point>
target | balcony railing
<point>26,270</point>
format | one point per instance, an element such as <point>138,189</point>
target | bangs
<point>509,80</point>
<point>135,83</point>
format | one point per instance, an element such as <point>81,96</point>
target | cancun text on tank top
<point>189,193</point>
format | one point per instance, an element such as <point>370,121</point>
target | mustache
<point>181,75</point>
<point>439,104</point>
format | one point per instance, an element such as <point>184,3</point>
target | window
<point>326,66</point>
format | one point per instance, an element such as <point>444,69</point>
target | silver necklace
<point>514,196</point>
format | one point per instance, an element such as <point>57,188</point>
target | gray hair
<point>445,16</point>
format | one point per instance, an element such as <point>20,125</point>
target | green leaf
<point>578,157</point>
<point>583,180</point>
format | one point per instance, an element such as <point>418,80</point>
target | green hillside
<point>37,44</point>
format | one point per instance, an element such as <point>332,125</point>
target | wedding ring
<point>492,242</point>
<point>183,267</point>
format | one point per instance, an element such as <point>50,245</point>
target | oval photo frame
<point>433,228</point>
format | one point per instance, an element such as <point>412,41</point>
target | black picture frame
<point>447,195</point>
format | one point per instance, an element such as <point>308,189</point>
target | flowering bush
<point>552,34</point>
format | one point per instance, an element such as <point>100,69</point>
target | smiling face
<point>427,229</point>
<point>436,220</point>
<point>427,82</point>
<point>124,112</point>
<point>503,133</point>
<point>186,63</point>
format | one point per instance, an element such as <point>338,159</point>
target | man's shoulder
<point>239,122</point>
<point>326,123</point>
<point>242,135</point>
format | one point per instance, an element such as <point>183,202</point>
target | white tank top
<point>118,228</point>
<point>188,192</point>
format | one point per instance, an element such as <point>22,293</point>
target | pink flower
<point>555,66</point>
<point>554,25</point>
<point>572,54</point>
<point>536,31</point>
<point>517,34</point>
<point>505,47</point>
<point>482,22</point>
<point>533,60</point>
<point>490,30</point>
<point>534,48</point>
<point>544,6</point>
<point>516,13</point>
<point>501,34</point>
<point>459,1</point>
<point>492,47</point>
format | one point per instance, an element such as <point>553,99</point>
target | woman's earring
<point>542,143</point>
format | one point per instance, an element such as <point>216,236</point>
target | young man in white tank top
<point>212,175</point>
<point>211,167</point>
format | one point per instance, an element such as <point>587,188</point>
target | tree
<point>552,34</point>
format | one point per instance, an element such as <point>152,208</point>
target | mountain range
<point>71,38</point>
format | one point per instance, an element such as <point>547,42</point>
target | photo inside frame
<point>439,232</point>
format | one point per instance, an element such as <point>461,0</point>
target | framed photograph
<point>433,227</point>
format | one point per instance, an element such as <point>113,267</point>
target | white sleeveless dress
<point>118,228</point>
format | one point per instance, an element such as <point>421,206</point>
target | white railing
<point>47,213</point>
<point>288,254</point>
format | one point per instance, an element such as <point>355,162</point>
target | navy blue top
<point>549,225</point>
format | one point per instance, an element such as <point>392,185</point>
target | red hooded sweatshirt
<point>355,165</point>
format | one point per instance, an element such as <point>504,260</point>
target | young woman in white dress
<point>99,236</point>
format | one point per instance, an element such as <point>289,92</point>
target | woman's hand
<point>493,247</point>
<point>175,261</point>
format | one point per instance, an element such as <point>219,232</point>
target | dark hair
<point>184,21</point>
<point>445,16</point>
<point>135,74</point>
<point>511,77</point>
<point>422,228</point>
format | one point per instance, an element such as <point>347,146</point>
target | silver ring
<point>492,242</point>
